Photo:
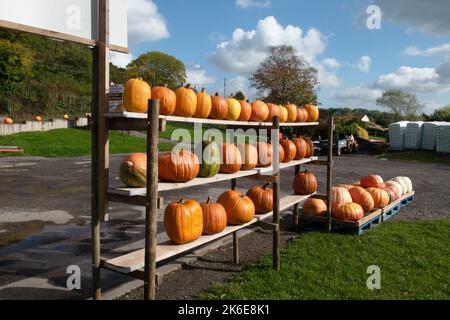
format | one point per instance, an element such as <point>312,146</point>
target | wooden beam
<point>329,171</point>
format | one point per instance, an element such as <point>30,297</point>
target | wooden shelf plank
<point>143,116</point>
<point>134,261</point>
<point>163,186</point>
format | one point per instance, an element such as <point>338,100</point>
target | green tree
<point>285,77</point>
<point>442,114</point>
<point>158,69</point>
<point>400,103</point>
<point>117,75</point>
<point>239,96</point>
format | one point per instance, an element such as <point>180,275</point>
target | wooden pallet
<point>394,208</point>
<point>10,149</point>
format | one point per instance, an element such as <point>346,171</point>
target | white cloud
<point>412,79</point>
<point>364,64</point>
<point>145,23</point>
<point>359,96</point>
<point>240,83</point>
<point>331,63</point>
<point>244,4</point>
<point>414,51</point>
<point>197,76</point>
<point>120,60</point>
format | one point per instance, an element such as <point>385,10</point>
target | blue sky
<point>228,38</point>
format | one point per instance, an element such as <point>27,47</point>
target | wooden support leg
<point>236,248</point>
<point>276,193</point>
<point>329,173</point>
<point>296,207</point>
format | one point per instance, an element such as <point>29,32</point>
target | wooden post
<point>296,207</point>
<point>329,168</point>
<point>276,192</point>
<point>151,212</point>
<point>100,141</point>
<point>236,257</point>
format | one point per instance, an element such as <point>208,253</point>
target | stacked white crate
<point>397,133</point>
<point>430,132</point>
<point>443,138</point>
<point>413,136</point>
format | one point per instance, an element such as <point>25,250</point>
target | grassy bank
<point>413,257</point>
<point>416,156</point>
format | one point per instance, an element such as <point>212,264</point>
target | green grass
<point>414,258</point>
<point>72,143</point>
<point>417,156</point>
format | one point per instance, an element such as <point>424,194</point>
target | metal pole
<point>151,210</point>
<point>329,170</point>
<point>276,193</point>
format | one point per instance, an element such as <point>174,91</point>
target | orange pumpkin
<point>186,102</point>
<point>274,111</point>
<point>283,114</point>
<point>231,159</point>
<point>214,217</point>
<point>380,197</point>
<point>265,153</point>
<point>305,183</point>
<point>281,153</point>
<point>8,120</point>
<point>346,186</point>
<point>339,196</point>
<point>246,111</point>
<point>133,170</point>
<point>219,109</point>
<point>249,155</point>
<point>395,188</point>
<point>178,166</point>
<point>167,100</point>
<point>363,198</point>
<point>349,211</point>
<point>136,95</point>
<point>302,148</point>
<point>262,198</point>
<point>302,115</point>
<point>204,105</point>
<point>371,181</point>
<point>37,119</point>
<point>292,112</point>
<point>310,148</point>
<point>315,207</point>
<point>260,111</point>
<point>66,116</point>
<point>290,150</point>
<point>313,112</point>
<point>183,221</point>
<point>240,209</point>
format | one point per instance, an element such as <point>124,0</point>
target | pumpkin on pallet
<point>349,211</point>
<point>167,99</point>
<point>315,207</point>
<point>262,198</point>
<point>204,105</point>
<point>380,197</point>
<point>183,221</point>
<point>290,150</point>
<point>133,170</point>
<point>214,217</point>
<point>302,148</point>
<point>249,155</point>
<point>246,111</point>
<point>234,109</point>
<point>260,111</point>
<point>178,166</point>
<point>186,102</point>
<point>305,183</point>
<point>210,165</point>
<point>136,95</point>
<point>231,159</point>
<point>372,181</point>
<point>405,183</point>
<point>240,209</point>
<point>219,108</point>
<point>339,196</point>
<point>363,198</point>
<point>395,188</point>
<point>265,154</point>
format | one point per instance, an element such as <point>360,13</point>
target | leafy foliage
<point>400,103</point>
<point>442,114</point>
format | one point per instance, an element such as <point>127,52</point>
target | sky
<point>359,47</point>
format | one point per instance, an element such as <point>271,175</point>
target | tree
<point>401,103</point>
<point>158,69</point>
<point>239,96</point>
<point>286,77</point>
<point>442,114</point>
<point>117,75</point>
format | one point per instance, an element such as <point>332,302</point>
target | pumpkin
<point>406,184</point>
<point>292,112</point>
<point>246,111</point>
<point>214,217</point>
<point>371,181</point>
<point>302,148</point>
<point>183,221</point>
<point>281,153</point>
<point>313,112</point>
<point>346,186</point>
<point>290,150</point>
<point>283,114</point>
<point>186,102</point>
<point>262,198</point>
<point>37,119</point>
<point>8,120</point>
<point>265,153</point>
<point>167,100</point>
<point>305,183</point>
<point>231,159</point>
<point>396,188</point>
<point>302,115</point>
<point>239,208</point>
<point>315,207</point>
<point>249,155</point>
<point>380,197</point>
<point>136,95</point>
<point>310,148</point>
<point>363,198</point>
<point>178,166</point>
<point>66,116</point>
<point>339,196</point>
<point>133,170</point>
<point>219,109</point>
<point>210,159</point>
<point>204,105</point>
<point>234,109</point>
<point>274,111</point>
<point>349,212</point>
<point>260,111</point>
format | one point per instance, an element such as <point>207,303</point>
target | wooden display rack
<point>141,264</point>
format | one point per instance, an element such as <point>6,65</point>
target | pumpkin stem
<point>265,186</point>
<point>203,89</point>
<point>248,101</point>
<point>129,164</point>
<point>181,201</point>
<point>166,85</point>
<point>209,201</point>
<point>188,86</point>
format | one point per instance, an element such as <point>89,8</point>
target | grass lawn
<point>414,258</point>
<point>416,156</point>
<point>72,143</point>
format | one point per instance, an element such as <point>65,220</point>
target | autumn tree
<point>402,104</point>
<point>286,77</point>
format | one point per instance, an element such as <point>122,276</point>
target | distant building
<point>365,119</point>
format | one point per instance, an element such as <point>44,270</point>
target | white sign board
<point>75,18</point>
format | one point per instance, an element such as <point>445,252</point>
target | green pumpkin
<point>211,159</point>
